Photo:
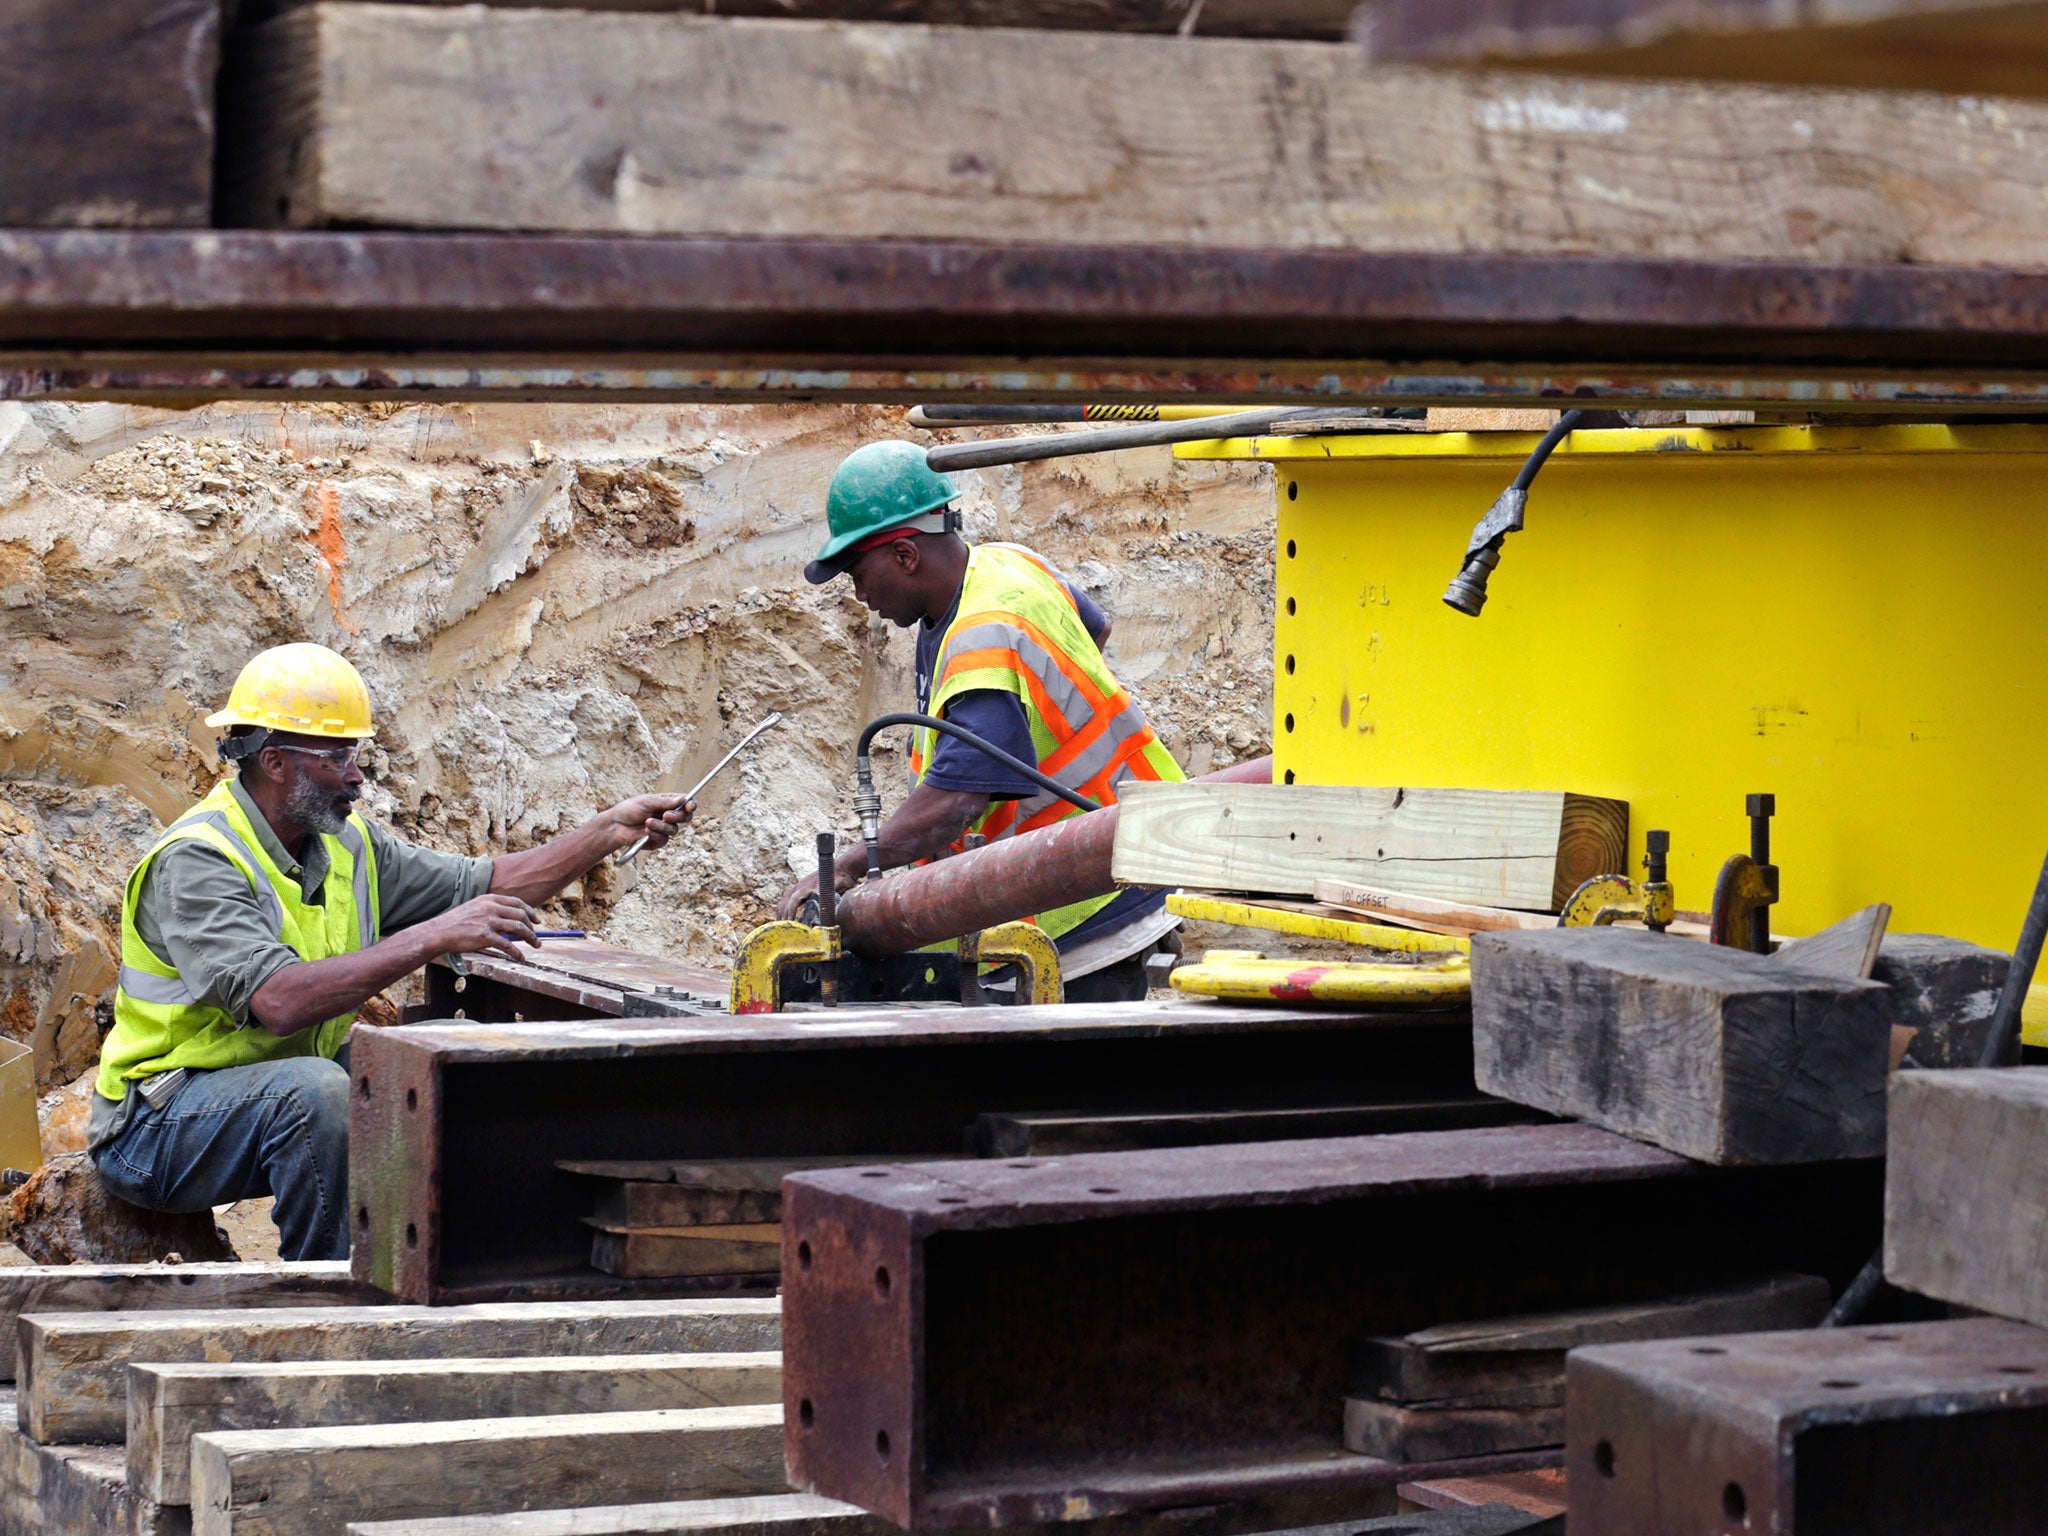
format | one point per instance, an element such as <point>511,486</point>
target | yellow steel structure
<point>1850,618</point>
<point>1246,976</point>
<point>1315,925</point>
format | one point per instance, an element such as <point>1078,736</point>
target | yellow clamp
<point>770,950</point>
<point>1606,899</point>
<point>1245,975</point>
<point>1031,950</point>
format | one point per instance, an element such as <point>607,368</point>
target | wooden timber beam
<point>1974,47</point>
<point>188,316</point>
<point>1322,19</point>
<point>433,117</point>
<point>107,112</point>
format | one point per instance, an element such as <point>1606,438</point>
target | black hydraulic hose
<point>1467,591</point>
<point>1999,1040</point>
<point>988,748</point>
<point>867,804</point>
<point>1544,449</point>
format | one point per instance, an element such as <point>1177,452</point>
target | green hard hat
<point>876,487</point>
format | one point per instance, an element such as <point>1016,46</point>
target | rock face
<point>555,607</point>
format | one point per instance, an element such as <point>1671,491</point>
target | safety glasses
<point>341,759</point>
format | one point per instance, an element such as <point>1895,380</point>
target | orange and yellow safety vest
<point>1017,631</point>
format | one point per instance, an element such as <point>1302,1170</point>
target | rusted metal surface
<point>457,1127</point>
<point>977,1344</point>
<point>567,979</point>
<point>199,314</point>
<point>999,882</point>
<point>1916,1429</point>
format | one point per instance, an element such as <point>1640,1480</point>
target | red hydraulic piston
<point>1007,880</point>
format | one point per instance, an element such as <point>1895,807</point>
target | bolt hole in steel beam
<point>803,1255</point>
<point>1603,1458</point>
<point>881,1279</point>
<point>1735,1504</point>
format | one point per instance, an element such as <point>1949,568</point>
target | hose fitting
<point>1467,591</point>
<point>867,805</point>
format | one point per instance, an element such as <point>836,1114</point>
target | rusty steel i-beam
<point>990,1344</point>
<point>457,1128</point>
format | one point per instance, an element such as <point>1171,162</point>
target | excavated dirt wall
<point>555,607</point>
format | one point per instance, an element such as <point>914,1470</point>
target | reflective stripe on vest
<point>159,1025</point>
<point>1019,631</point>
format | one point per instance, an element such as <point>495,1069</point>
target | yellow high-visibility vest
<point>1017,631</point>
<point>159,1025</point>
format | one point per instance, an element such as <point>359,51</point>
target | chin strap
<point>239,744</point>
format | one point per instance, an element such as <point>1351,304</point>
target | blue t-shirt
<point>998,717</point>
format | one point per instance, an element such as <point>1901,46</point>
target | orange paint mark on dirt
<point>325,535</point>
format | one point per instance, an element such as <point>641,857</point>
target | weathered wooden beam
<point>482,118</point>
<point>183,1287</point>
<point>169,1404</point>
<point>1944,992</point>
<point>1715,1053</point>
<point>74,1366</point>
<point>1325,20</point>
<point>73,1490</point>
<point>1972,47</point>
<point>1965,1204</point>
<point>1060,1135</point>
<point>772,1514</point>
<point>1505,848</point>
<point>313,1482</point>
<point>107,112</point>
<point>810,1516</point>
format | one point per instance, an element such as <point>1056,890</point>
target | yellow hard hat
<point>307,689</point>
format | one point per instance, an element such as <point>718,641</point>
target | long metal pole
<point>1060,445</point>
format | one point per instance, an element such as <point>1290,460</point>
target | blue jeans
<point>277,1127</point>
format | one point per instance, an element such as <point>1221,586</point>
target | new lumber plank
<point>1714,1053</point>
<point>1502,848</point>
<point>74,1366</point>
<point>312,1482</point>
<point>184,1287</point>
<point>773,1514</point>
<point>1966,1195</point>
<point>1974,47</point>
<point>485,118</point>
<point>170,1404</point>
<point>106,112</point>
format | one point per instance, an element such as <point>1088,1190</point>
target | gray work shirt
<point>197,913</point>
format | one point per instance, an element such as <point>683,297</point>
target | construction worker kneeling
<point>255,928</point>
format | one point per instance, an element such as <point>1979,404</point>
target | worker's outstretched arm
<point>311,992</point>
<point>544,871</point>
<point>929,821</point>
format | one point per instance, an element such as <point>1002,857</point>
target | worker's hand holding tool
<point>487,925</point>
<point>653,819</point>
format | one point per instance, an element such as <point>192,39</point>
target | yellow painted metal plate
<point>1314,925</point>
<point>1848,618</point>
<point>1251,978</point>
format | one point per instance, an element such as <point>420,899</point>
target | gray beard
<point>313,810</point>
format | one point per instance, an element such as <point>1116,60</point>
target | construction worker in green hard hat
<point>255,928</point>
<point>1008,649</point>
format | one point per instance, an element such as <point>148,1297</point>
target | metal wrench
<point>626,857</point>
